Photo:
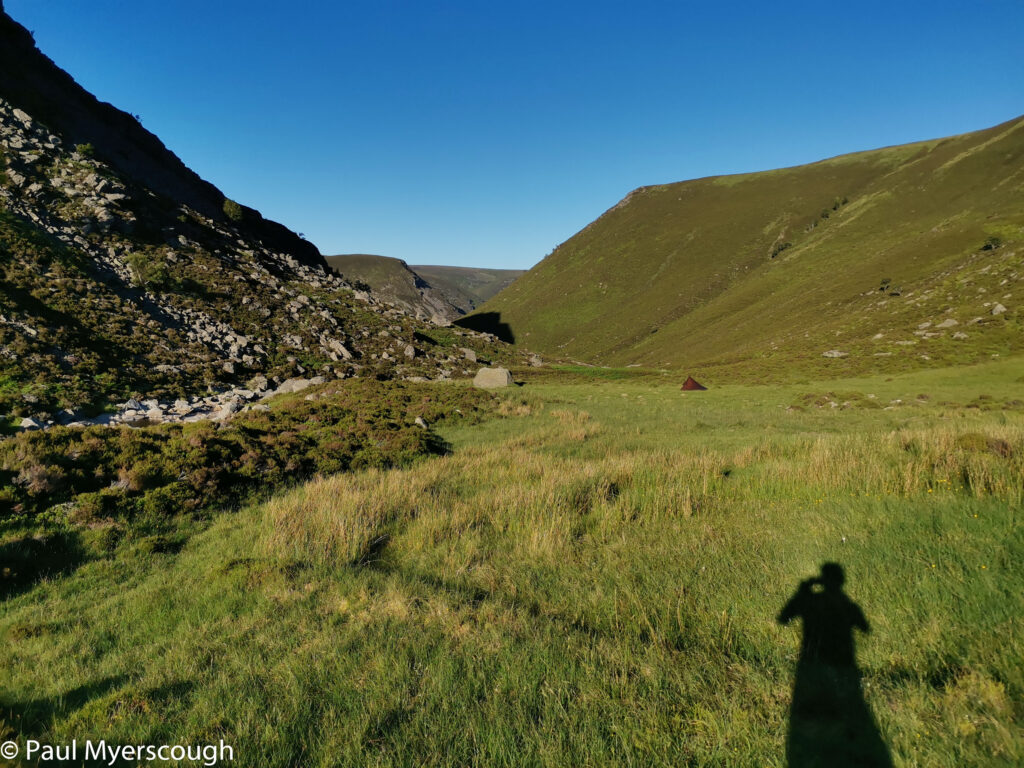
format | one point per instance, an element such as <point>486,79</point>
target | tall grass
<point>546,501</point>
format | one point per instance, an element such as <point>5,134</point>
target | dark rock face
<point>32,82</point>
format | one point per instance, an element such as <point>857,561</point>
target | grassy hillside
<point>592,580</point>
<point>394,281</point>
<point>468,287</point>
<point>875,254</point>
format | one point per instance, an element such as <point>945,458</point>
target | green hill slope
<point>468,287</point>
<point>395,282</point>
<point>888,259</point>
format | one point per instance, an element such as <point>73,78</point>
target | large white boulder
<point>492,378</point>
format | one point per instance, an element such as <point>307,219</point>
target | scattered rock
<point>835,353</point>
<point>30,424</point>
<point>947,323</point>
<point>420,422</point>
<point>227,410</point>
<point>469,354</point>
<point>998,309</point>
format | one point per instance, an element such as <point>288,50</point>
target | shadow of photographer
<point>830,723</point>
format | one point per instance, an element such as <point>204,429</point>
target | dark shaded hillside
<point>32,82</point>
<point>891,258</point>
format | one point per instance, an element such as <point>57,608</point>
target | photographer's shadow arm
<point>797,603</point>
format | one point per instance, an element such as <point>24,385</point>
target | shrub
<point>232,210</point>
<point>148,270</point>
<point>155,473</point>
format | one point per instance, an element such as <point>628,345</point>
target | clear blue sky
<point>485,133</point>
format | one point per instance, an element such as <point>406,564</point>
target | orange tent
<point>691,385</point>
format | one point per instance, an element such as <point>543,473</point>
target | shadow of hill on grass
<point>488,322</point>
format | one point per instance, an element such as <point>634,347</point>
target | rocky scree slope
<point>887,260</point>
<point>32,82</point>
<point>112,290</point>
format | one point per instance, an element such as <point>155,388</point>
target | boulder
<point>227,410</point>
<point>295,385</point>
<point>468,353</point>
<point>492,378</point>
<point>834,353</point>
<point>998,309</point>
<point>338,348</point>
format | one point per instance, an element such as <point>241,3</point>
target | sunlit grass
<point>592,579</point>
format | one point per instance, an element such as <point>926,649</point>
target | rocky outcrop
<point>114,287</point>
<point>33,83</point>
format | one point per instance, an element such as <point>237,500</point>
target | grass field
<point>592,578</point>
